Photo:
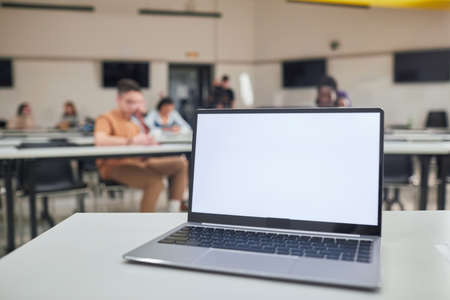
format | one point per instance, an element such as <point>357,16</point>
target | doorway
<point>189,87</point>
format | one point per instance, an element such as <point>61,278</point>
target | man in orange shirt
<point>116,128</point>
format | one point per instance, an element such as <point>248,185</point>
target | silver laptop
<point>289,194</point>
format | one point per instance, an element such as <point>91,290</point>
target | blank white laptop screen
<point>303,166</point>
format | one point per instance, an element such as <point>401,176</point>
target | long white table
<point>425,150</point>
<point>84,152</point>
<point>9,155</point>
<point>89,140</point>
<point>418,135</point>
<point>416,147</point>
<point>81,258</point>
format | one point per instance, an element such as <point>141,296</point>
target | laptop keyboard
<point>273,243</point>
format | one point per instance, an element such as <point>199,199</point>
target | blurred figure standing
<point>228,100</point>
<point>222,95</point>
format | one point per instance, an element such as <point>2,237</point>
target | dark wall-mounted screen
<point>423,66</point>
<point>303,73</point>
<point>6,73</point>
<point>113,71</point>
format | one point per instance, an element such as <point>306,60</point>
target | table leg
<point>33,222</point>
<point>10,228</point>
<point>443,166</point>
<point>32,200</point>
<point>424,174</point>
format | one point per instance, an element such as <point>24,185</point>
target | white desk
<point>417,147</point>
<point>89,140</point>
<point>81,152</point>
<point>8,156</point>
<point>80,258</point>
<point>14,142</point>
<point>425,150</point>
<point>41,134</point>
<point>162,139</point>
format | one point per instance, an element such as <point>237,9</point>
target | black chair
<point>437,119</point>
<point>443,172</point>
<point>98,185</point>
<point>112,188</point>
<point>47,176</point>
<point>398,170</point>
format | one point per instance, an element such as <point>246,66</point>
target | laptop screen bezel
<point>288,224</point>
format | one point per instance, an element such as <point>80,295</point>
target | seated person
<point>69,118</point>
<point>328,94</point>
<point>166,119</point>
<point>116,128</point>
<point>23,118</point>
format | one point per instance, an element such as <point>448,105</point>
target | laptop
<point>288,194</point>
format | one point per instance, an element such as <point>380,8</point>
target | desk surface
<point>81,259</point>
<point>422,147</point>
<point>7,153</point>
<point>390,146</point>
<point>89,140</point>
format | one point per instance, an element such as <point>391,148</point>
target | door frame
<point>211,67</point>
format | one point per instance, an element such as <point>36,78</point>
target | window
<point>6,79</point>
<point>422,66</point>
<point>113,71</point>
<point>303,73</point>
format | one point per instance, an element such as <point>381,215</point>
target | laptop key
<point>347,258</point>
<point>314,255</point>
<point>297,252</point>
<point>332,256</point>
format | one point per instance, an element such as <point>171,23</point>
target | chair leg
<point>20,220</point>
<point>45,215</point>
<point>80,200</point>
<point>387,202</point>
<point>3,206</point>
<point>95,194</point>
<point>397,198</point>
<point>33,223</point>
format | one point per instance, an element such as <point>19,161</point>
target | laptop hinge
<point>281,230</point>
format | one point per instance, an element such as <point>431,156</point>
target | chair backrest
<point>437,119</point>
<point>48,172</point>
<point>397,168</point>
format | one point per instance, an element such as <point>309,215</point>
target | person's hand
<point>143,139</point>
<point>63,125</point>
<point>175,128</point>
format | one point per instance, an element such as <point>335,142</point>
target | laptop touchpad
<point>245,261</point>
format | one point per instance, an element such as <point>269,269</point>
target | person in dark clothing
<point>227,99</point>
<point>328,94</point>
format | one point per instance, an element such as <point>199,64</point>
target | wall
<point>57,54</point>
<point>362,65</point>
<point>47,84</point>
<point>291,30</point>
